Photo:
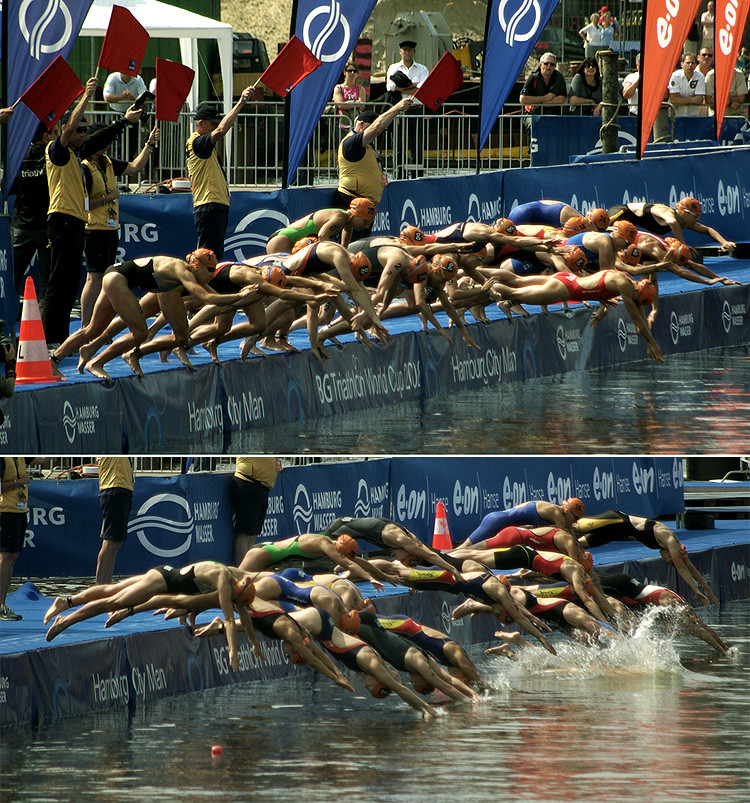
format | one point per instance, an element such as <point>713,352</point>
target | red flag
<point>444,79</point>
<point>124,44</point>
<point>173,82</point>
<point>293,63</point>
<point>730,23</point>
<point>666,24</point>
<point>52,93</point>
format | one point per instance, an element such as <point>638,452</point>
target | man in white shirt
<point>409,76</point>
<point>120,90</point>
<point>687,89</point>
<point>630,86</point>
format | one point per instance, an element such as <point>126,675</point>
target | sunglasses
<point>354,71</point>
<point>706,55</point>
<point>548,63</point>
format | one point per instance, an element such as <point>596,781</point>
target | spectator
<point>14,508</point>
<point>360,171</point>
<point>103,223</point>
<point>6,114</point>
<point>586,88</point>
<point>545,86</point>
<point>120,90</point>
<point>253,479</point>
<point>349,96</point>
<point>403,79</point>
<point>208,182</point>
<point>736,97</point>
<point>705,62</point>
<point>630,86</point>
<point>29,224</point>
<point>7,382</point>
<point>707,25</point>
<point>687,88</point>
<point>591,35</point>
<point>115,499</point>
<point>608,31</point>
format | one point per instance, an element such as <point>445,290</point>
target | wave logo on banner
<point>250,232</point>
<point>470,216</point>
<point>511,25</point>
<point>510,33</point>
<point>35,31</point>
<point>160,521</point>
<point>330,30</point>
<point>409,214</point>
<point>38,31</point>
<point>362,505</point>
<point>316,32</point>
<point>302,512</point>
<point>69,421</point>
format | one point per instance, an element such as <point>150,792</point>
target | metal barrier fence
<point>414,145</point>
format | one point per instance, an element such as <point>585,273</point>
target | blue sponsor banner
<point>37,34</point>
<point>729,313</point>
<point>176,520</point>
<point>331,30</point>
<point>314,498</point>
<point>684,328</point>
<point>511,31</point>
<point>720,181</point>
<point>472,487</point>
<point>555,140</point>
<point>9,306</point>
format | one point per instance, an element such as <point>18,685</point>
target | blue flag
<point>330,28</point>
<point>38,32</point>
<point>513,27</point>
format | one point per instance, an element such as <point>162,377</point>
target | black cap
<point>367,117</point>
<point>208,111</point>
<point>407,43</point>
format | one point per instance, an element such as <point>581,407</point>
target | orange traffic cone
<point>441,538</point>
<point>33,364</point>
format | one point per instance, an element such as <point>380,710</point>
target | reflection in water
<point>694,404</point>
<point>623,724</point>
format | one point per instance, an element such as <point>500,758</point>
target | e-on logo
<point>46,25</point>
<point>157,533</point>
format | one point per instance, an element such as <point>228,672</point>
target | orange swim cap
<point>421,686</point>
<point>419,269</point>
<point>504,226</point>
<point>625,229</point>
<point>350,622</point>
<point>445,266</point>
<point>361,267</point>
<point>690,205</point>
<point>645,292</point>
<point>346,546</point>
<point>244,592</point>
<point>632,254</point>
<point>575,225</point>
<point>379,690</point>
<point>587,561</point>
<point>575,259</point>
<point>574,505</point>
<point>411,235</point>
<point>275,275</point>
<point>303,243</point>
<point>599,217</point>
<point>364,208</point>
<point>202,258</point>
<point>679,253</point>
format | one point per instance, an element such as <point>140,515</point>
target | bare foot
<point>249,347</point>
<point>85,353</point>
<point>132,360</point>
<point>504,306</point>
<point>212,348</point>
<point>182,355</point>
<point>117,616</point>
<point>164,355</point>
<point>503,649</point>
<point>58,606</point>
<point>57,627</point>
<point>517,309</point>
<point>98,371</point>
<point>464,609</point>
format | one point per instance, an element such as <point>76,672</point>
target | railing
<point>448,145</point>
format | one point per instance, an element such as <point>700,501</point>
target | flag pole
<point>288,109</point>
<point>480,145</point>
<point>4,96</point>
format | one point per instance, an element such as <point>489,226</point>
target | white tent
<point>163,21</point>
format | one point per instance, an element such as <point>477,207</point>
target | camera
<point>142,99</point>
